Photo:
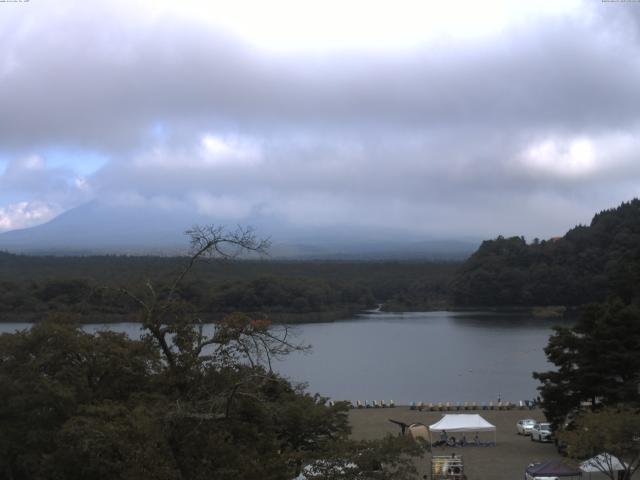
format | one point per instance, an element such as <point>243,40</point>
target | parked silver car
<point>525,426</point>
<point>541,432</point>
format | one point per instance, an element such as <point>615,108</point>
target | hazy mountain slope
<point>102,228</point>
<point>98,227</point>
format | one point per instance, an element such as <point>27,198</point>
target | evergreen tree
<point>589,264</point>
<point>597,360</point>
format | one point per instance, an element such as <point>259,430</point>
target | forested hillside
<point>31,287</point>
<point>178,403</point>
<point>589,264</point>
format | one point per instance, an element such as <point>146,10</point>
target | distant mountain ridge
<point>101,228</point>
<point>588,264</point>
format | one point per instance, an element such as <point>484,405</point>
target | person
<point>444,437</point>
<point>463,441</point>
<point>476,439</point>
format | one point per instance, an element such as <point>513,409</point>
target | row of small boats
<point>458,406</point>
<point>373,404</point>
<point>445,406</point>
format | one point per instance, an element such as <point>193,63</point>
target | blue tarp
<point>553,469</point>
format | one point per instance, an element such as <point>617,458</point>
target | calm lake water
<point>425,356</point>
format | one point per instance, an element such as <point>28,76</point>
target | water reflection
<point>424,356</point>
<point>416,356</point>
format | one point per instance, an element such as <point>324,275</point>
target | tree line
<point>176,404</point>
<point>31,287</point>
<point>592,396</point>
<point>589,264</point>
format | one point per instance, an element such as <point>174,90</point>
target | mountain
<point>99,228</point>
<point>588,264</point>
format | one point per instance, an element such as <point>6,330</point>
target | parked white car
<point>525,426</point>
<point>541,432</point>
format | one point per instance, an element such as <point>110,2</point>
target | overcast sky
<point>443,118</point>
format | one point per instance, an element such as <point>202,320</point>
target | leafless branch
<point>210,239</point>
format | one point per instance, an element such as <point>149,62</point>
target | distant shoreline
<point>549,311</point>
<point>292,318</point>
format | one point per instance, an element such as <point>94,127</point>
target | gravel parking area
<point>505,461</point>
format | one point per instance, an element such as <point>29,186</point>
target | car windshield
<point>528,422</point>
<point>545,426</point>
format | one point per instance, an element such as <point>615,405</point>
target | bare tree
<point>179,332</point>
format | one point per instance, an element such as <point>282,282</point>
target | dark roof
<point>553,469</point>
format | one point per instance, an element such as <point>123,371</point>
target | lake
<point>418,356</point>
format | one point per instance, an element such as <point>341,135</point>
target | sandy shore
<point>506,461</point>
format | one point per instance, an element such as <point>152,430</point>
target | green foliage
<point>181,403</point>
<point>48,374</point>
<point>588,264</point>
<point>273,294</point>
<point>597,360</point>
<point>110,440</point>
<point>387,458</point>
<point>614,430</point>
<point>77,405</point>
<point>32,287</point>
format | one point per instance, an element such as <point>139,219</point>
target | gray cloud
<point>526,131</point>
<point>100,84</point>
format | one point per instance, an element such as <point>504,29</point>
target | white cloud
<point>605,155</point>
<point>325,25</point>
<point>573,158</point>
<point>216,150</point>
<point>428,115</point>
<point>26,214</point>
<point>82,184</point>
<point>208,152</point>
<point>32,192</point>
<point>32,163</point>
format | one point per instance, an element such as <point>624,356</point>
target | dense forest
<point>589,264</point>
<point>177,403</point>
<point>286,291</point>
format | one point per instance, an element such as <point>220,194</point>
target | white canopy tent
<point>462,422</point>
<point>602,463</point>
